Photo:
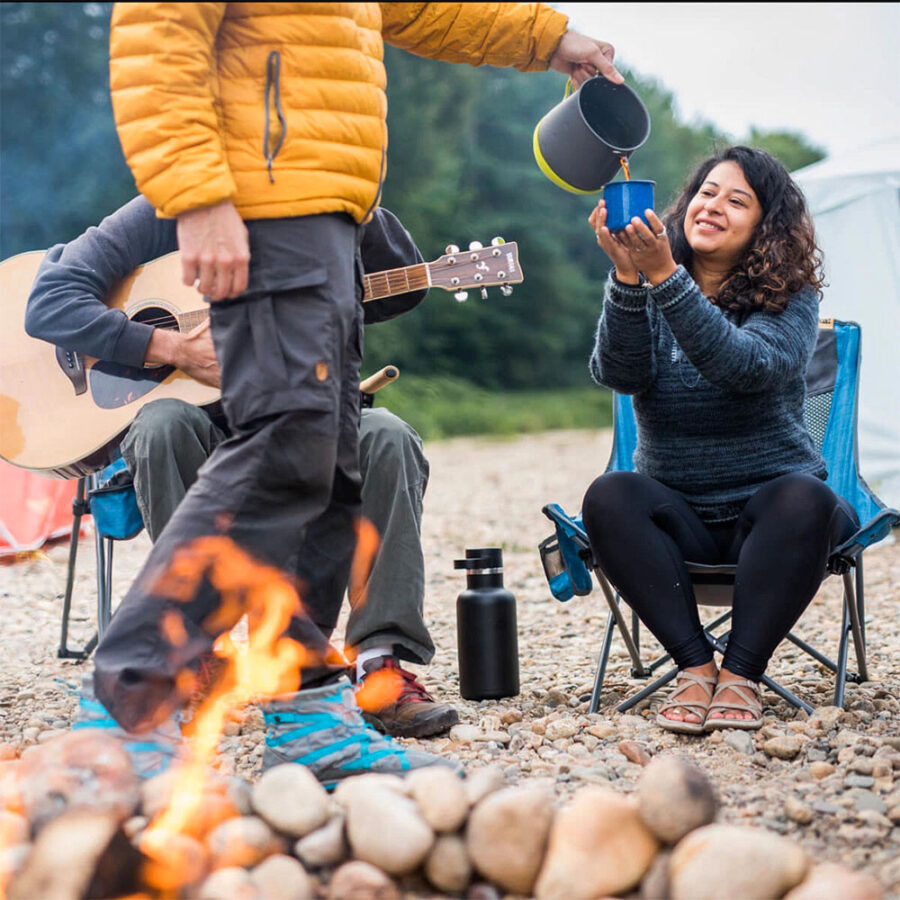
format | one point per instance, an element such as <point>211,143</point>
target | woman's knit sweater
<point>718,395</point>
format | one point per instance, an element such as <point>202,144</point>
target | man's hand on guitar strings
<point>193,353</point>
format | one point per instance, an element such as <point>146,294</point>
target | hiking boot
<point>151,752</point>
<point>323,729</point>
<point>415,713</point>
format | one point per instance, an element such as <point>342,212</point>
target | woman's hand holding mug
<point>626,271</point>
<point>648,247</point>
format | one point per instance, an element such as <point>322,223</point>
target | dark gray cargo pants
<point>289,350</point>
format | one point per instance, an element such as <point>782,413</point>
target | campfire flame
<point>267,665</point>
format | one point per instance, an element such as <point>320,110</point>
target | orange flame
<point>367,543</point>
<point>381,688</point>
<point>269,664</point>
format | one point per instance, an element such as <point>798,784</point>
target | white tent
<point>855,201</point>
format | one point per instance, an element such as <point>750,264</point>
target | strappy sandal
<point>697,707</point>
<point>751,703</point>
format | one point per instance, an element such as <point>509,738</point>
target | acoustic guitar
<point>64,414</point>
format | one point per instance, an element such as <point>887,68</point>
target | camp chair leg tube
<point>647,691</point>
<point>104,587</point>
<point>840,680</point>
<point>860,599</point>
<point>815,654</point>
<point>621,621</point>
<point>636,631</point>
<point>78,510</point>
<point>601,663</point>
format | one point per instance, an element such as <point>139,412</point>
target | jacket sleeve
<point>765,350</point>
<point>623,357</point>
<point>66,305</point>
<point>521,35</point>
<point>160,71</point>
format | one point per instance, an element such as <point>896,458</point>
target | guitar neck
<point>377,285</point>
<point>396,281</point>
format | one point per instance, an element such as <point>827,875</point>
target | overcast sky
<point>828,70</point>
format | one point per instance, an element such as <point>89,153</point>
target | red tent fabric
<point>33,509</point>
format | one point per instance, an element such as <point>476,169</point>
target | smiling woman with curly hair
<point>782,256</point>
<point>709,321</point>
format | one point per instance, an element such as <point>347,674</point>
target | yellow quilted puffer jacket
<point>281,107</point>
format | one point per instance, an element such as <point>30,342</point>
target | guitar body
<point>64,415</point>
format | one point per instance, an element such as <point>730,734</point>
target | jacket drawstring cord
<point>273,81</point>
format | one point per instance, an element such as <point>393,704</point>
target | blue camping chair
<point>109,497</point>
<point>830,411</point>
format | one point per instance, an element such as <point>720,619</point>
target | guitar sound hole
<point>156,316</point>
<point>114,385</point>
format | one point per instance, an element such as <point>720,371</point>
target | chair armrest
<point>844,555</point>
<point>566,560</point>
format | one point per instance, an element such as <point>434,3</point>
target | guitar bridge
<point>72,364</point>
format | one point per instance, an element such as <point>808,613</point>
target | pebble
<point>441,797</point>
<point>358,880</point>
<point>448,866</point>
<point>782,747</point>
<point>599,846</point>
<point>386,829</point>
<point>506,836</point>
<point>821,770</point>
<point>281,877</point>
<point>324,847</point>
<point>291,799</point>
<point>739,740</point>
<point>675,797</point>
<point>797,811</point>
<point>749,862</point>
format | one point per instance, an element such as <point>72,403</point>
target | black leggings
<point>641,533</point>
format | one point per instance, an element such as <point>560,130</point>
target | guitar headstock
<point>478,267</point>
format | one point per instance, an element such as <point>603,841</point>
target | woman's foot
<point>685,710</point>
<point>736,703</point>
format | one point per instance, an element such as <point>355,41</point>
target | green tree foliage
<point>460,167</point>
<point>790,147</point>
<point>63,168</point>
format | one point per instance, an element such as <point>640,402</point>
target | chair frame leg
<point>79,508</point>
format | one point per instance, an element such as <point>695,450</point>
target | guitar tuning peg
<point>476,245</point>
<point>484,293</point>
<point>506,289</point>
<point>497,241</point>
<point>460,296</point>
<point>451,248</point>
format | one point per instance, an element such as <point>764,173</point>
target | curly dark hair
<point>782,257</point>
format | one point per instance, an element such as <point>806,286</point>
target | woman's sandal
<point>751,704</point>
<point>698,707</point>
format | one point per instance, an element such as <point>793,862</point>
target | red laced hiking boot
<point>414,713</point>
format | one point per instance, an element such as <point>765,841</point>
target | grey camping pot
<point>580,143</point>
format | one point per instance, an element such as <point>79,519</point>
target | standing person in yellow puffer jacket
<point>261,128</point>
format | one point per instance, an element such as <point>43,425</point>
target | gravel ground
<point>830,782</point>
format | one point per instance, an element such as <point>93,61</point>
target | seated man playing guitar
<point>169,439</point>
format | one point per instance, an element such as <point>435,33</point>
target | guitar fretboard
<point>395,281</point>
<point>191,319</point>
<point>377,285</point>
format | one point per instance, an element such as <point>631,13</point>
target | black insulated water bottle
<point>487,640</point>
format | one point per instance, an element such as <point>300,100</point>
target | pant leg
<point>387,608</point>
<point>641,532</point>
<point>288,360</point>
<point>164,449</point>
<point>783,539</point>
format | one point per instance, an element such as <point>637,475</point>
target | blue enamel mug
<point>625,200</point>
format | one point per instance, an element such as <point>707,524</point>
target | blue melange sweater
<point>718,395</point>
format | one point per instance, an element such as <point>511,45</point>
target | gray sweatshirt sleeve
<point>766,350</point>
<point>623,357</point>
<point>66,305</point>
